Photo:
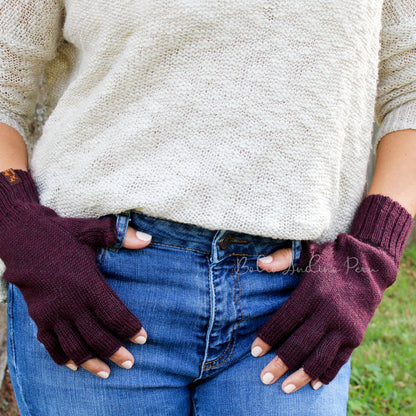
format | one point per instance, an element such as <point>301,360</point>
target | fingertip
<point>277,261</point>
<point>71,365</point>
<point>268,378</point>
<point>136,239</point>
<point>147,238</point>
<point>263,260</point>
<point>259,347</point>
<point>256,351</point>
<point>127,364</point>
<point>123,358</point>
<point>97,367</point>
<point>316,384</point>
<point>140,338</point>
<point>289,388</point>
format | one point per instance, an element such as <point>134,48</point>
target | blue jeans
<point>201,298</point>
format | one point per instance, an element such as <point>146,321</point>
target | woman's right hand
<point>122,357</point>
<point>52,260</point>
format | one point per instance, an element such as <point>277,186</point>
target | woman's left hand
<point>342,284</point>
<point>278,261</point>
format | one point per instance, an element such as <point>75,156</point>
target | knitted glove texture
<point>52,260</point>
<point>341,285</point>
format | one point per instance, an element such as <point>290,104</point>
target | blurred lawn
<point>383,380</point>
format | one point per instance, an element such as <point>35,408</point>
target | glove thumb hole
<point>95,232</point>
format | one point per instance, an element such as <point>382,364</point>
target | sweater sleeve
<point>29,35</point>
<point>395,107</point>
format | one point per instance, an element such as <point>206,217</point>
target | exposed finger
<point>316,384</point>
<point>123,358</point>
<point>71,365</point>
<point>277,261</point>
<point>295,381</point>
<point>136,239</point>
<point>259,347</point>
<point>97,367</point>
<point>273,371</point>
<point>140,337</point>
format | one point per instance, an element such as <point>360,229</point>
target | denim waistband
<point>193,237</point>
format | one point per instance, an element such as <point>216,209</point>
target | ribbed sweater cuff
<point>16,185</point>
<point>383,223</point>
<point>399,118</point>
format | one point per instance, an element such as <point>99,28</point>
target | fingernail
<point>256,351</point>
<point>267,378</point>
<point>289,388</point>
<point>317,385</point>
<point>143,236</point>
<point>103,374</point>
<point>73,367</point>
<point>140,339</point>
<point>127,364</point>
<point>267,259</point>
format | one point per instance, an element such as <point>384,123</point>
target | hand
<point>278,261</point>
<point>52,260</point>
<point>342,284</point>
<point>122,357</point>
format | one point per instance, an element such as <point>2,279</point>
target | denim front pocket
<point>122,224</point>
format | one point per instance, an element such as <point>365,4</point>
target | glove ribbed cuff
<point>16,185</point>
<point>383,223</point>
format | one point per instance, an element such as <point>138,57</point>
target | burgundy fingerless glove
<point>52,260</point>
<point>342,284</point>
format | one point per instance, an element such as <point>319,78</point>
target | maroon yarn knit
<point>342,283</point>
<point>52,260</point>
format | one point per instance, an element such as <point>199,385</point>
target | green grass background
<point>383,379</point>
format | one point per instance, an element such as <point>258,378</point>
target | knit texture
<point>52,260</point>
<point>342,283</point>
<point>253,116</point>
<point>16,185</point>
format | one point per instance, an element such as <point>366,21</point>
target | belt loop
<point>296,249</point>
<point>122,223</point>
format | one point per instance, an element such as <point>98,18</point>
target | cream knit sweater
<point>247,115</point>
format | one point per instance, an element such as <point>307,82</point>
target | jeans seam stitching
<point>194,403</point>
<point>208,337</point>
<point>102,258</point>
<point>237,254</point>
<point>233,340</point>
<point>12,342</point>
<point>232,331</point>
<point>239,292</point>
<point>184,248</point>
<point>238,322</point>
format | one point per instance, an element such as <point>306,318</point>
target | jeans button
<point>225,242</point>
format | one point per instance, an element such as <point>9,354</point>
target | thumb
<point>136,239</point>
<point>277,261</point>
